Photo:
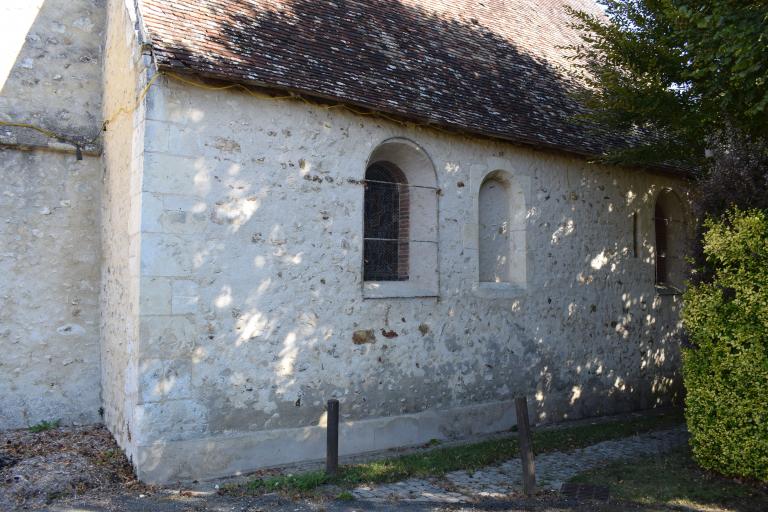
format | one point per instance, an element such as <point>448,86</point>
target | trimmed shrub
<point>726,367</point>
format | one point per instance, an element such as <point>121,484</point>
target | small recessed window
<point>671,241</point>
<point>501,232</point>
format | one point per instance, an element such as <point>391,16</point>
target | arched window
<point>501,243</point>
<point>385,255</point>
<point>671,239</point>
<point>400,222</point>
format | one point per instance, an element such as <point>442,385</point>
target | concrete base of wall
<point>220,456</point>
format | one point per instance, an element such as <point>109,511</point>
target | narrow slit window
<point>635,236</point>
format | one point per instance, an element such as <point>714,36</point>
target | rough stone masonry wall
<point>124,76</point>
<point>251,291</point>
<point>50,75</point>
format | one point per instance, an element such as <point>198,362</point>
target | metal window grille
<point>385,237</point>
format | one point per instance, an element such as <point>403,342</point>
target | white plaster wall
<point>251,294</point>
<point>49,283</point>
<point>50,68</point>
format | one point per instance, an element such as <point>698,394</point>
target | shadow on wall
<point>266,357</point>
<point>608,305</point>
<point>50,67</point>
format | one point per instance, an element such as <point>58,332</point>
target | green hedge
<point>726,368</point>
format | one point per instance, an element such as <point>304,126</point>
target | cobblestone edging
<point>552,470</point>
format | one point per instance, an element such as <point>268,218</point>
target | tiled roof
<point>491,67</point>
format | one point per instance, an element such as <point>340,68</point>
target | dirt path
<point>173,502</point>
<point>38,468</point>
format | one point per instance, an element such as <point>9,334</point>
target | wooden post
<point>332,438</point>
<point>526,445</point>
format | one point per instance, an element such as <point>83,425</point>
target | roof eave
<point>406,117</point>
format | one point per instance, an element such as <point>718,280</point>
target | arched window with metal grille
<point>400,229</point>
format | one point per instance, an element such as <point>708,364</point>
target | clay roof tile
<point>491,67</point>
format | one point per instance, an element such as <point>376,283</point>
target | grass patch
<point>345,496</point>
<point>45,425</point>
<point>585,435</point>
<point>439,461</point>
<point>674,481</point>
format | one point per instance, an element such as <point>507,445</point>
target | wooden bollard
<point>332,438</point>
<point>525,440</point>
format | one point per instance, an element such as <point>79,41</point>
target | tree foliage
<point>688,79</point>
<point>678,72</point>
<point>736,174</point>
<point>726,371</point>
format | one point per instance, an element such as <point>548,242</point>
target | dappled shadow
<point>253,227</point>
<point>251,286</point>
<point>630,330</point>
<point>673,481</point>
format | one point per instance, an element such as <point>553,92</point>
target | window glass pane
<point>381,258</point>
<point>382,210</point>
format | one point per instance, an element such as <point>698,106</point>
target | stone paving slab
<point>414,489</point>
<point>503,480</point>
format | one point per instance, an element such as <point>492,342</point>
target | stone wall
<point>228,292</point>
<point>253,311</point>
<point>50,76</point>
<point>125,74</point>
<point>49,270</point>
